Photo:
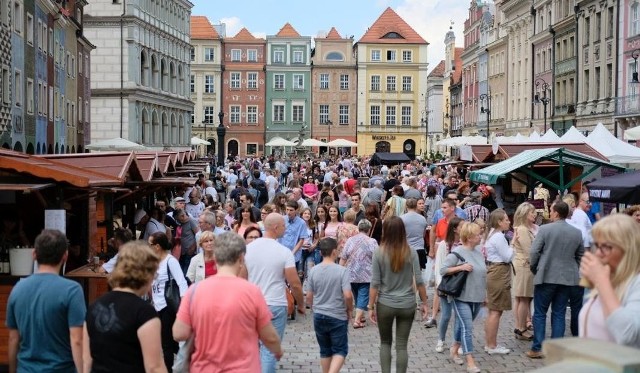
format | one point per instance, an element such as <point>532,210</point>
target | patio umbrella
<point>313,142</point>
<point>338,143</point>
<point>279,141</point>
<point>117,144</point>
<point>199,141</point>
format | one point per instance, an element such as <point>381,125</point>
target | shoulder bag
<point>171,292</point>
<point>453,284</point>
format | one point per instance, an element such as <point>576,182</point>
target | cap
<point>139,215</point>
<point>179,199</point>
<point>476,195</point>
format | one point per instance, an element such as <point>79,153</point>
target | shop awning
<point>26,188</point>
<point>388,158</point>
<point>525,161</point>
<point>621,188</point>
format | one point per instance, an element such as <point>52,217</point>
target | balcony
<point>627,106</point>
<point>566,66</point>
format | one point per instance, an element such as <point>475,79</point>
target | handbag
<point>453,284</point>
<point>172,292</point>
<point>183,359</point>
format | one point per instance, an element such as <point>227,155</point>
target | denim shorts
<point>360,292</point>
<point>332,335</point>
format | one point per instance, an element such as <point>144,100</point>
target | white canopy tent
<point>199,141</point>
<point>115,144</point>
<point>279,141</point>
<point>550,136</point>
<point>339,143</point>
<point>313,142</point>
<point>573,135</point>
<point>534,137</point>
<point>632,133</point>
<point>462,140</point>
<point>616,150</point>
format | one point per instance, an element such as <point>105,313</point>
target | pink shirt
<point>592,323</point>
<point>310,189</point>
<point>226,316</point>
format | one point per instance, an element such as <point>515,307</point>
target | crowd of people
<point>355,245</point>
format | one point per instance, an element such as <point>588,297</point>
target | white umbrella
<point>337,143</point>
<point>279,141</point>
<point>117,144</point>
<point>199,141</point>
<point>313,142</point>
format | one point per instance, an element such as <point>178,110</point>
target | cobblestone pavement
<point>302,353</point>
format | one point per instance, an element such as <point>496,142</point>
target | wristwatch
<point>371,307</point>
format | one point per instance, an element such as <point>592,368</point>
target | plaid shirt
<point>476,211</point>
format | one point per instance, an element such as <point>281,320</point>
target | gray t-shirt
<point>395,289</point>
<point>188,237</point>
<point>475,289</point>
<point>412,193</point>
<point>375,195</point>
<point>327,282</point>
<point>415,225</point>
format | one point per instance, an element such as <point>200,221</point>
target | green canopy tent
<point>526,161</point>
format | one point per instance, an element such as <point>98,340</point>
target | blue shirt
<point>595,209</point>
<point>439,215</point>
<point>42,307</point>
<point>295,231</point>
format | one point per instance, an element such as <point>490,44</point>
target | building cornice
<point>150,97</point>
<point>113,22</point>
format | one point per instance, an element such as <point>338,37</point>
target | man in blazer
<point>555,259</point>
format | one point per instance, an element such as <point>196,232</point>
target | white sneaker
<point>440,346</point>
<point>499,350</point>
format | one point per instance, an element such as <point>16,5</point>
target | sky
<point>430,18</point>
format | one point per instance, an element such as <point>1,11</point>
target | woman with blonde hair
<point>203,264</point>
<point>395,269</point>
<point>347,229</point>
<point>134,340</point>
<point>524,231</point>
<point>611,311</point>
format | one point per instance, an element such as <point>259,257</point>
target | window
<point>252,149</point>
<point>391,116</point>
<point>252,80</point>
<point>193,83</point>
<point>4,13</point>
<point>407,56</point>
<point>43,37</point>
<point>29,29</point>
<point>51,42</point>
<point>297,112</point>
<point>80,106</point>
<point>17,17</point>
<point>374,117</point>
<point>324,81</point>
<point>234,115</point>
<point>406,84</point>
<point>43,99</point>
<point>80,63</point>
<point>193,117</point>
<point>6,83</point>
<point>406,116</point>
<point>324,114</point>
<point>208,84</point>
<point>17,84</point>
<point>391,56</point>
<point>587,30</point>
<point>634,24</point>
<point>252,114</point>
<point>51,108</point>
<point>298,82</point>
<point>344,82</point>
<point>235,81</point>
<point>391,83</point>
<point>193,54</point>
<point>208,54</point>
<point>208,115</point>
<point>344,114</point>
<point>375,55</point>
<point>278,57</point>
<point>235,55</point>
<point>30,94</point>
<point>375,82</point>
<point>278,82</point>
<point>252,55</point>
<point>297,57</point>
<point>278,113</point>
<point>39,93</point>
<point>610,21</point>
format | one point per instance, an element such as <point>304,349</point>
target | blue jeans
<point>279,321</point>
<point>360,292</point>
<point>445,316</point>
<point>332,335</point>
<point>545,295</point>
<point>465,313</point>
<point>575,302</point>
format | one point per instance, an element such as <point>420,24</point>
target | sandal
<point>529,326</point>
<point>523,335</point>
<point>358,325</point>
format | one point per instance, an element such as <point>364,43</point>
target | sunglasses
<point>252,237</point>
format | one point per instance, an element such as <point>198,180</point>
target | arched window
<point>172,73</point>
<point>165,130</point>
<point>144,69</point>
<point>174,130</point>
<point>154,71</point>
<point>163,75</point>
<point>180,81</point>
<point>145,128</point>
<point>155,128</point>
<point>181,129</point>
<point>335,56</point>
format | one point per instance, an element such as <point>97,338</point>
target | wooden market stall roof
<point>55,170</point>
<point>121,165</point>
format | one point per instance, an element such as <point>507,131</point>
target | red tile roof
<point>201,28</point>
<point>333,34</point>
<point>390,21</point>
<point>287,31</point>
<point>438,71</point>
<point>244,35</point>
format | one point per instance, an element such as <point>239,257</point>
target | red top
<point>210,268</point>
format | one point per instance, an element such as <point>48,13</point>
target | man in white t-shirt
<point>272,184</point>
<point>268,264</point>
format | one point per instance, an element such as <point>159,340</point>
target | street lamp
<point>542,87</point>
<point>634,76</point>
<point>206,147</point>
<point>487,110</point>
<point>221,132</point>
<point>425,122</point>
<point>329,123</point>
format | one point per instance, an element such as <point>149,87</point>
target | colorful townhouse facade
<point>627,111</point>
<point>392,82</point>
<point>243,93</point>
<point>334,90</point>
<point>288,90</point>
<point>471,69</point>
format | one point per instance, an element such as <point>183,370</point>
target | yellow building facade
<point>392,84</point>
